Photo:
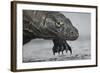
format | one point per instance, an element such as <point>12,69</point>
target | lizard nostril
<point>71,32</point>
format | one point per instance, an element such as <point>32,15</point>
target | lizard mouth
<point>60,36</point>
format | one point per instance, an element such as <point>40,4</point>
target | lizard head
<point>61,26</point>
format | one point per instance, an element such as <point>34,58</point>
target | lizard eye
<point>59,24</point>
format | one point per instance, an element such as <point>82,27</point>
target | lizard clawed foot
<point>60,46</point>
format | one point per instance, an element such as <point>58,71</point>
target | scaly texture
<point>48,25</point>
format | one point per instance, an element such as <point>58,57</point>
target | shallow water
<point>39,50</point>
